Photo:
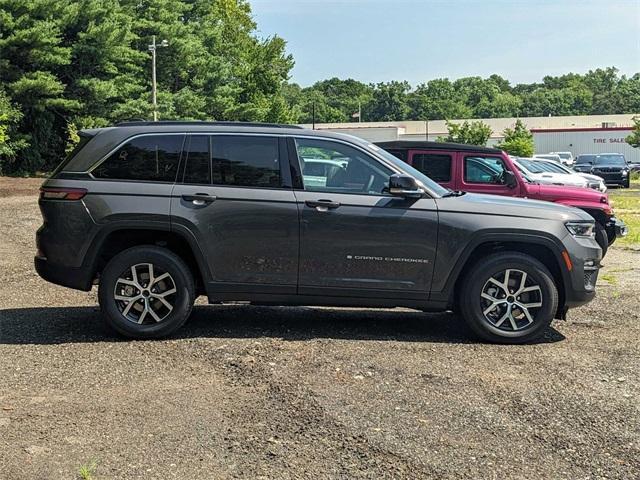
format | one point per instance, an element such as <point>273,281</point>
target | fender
<point>584,205</point>
<point>484,237</point>
<point>91,258</point>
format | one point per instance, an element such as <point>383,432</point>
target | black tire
<point>180,278</point>
<point>627,184</point>
<point>602,238</point>
<point>477,279</point>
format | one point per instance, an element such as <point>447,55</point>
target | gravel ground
<point>256,392</point>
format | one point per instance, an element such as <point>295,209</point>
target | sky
<point>418,40</point>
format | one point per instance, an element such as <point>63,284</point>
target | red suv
<point>469,168</point>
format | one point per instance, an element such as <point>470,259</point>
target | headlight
<point>581,229</point>
<point>624,173</point>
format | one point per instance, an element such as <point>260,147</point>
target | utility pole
<point>154,88</point>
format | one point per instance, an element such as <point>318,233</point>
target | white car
<point>554,157</point>
<point>594,181</point>
<point>565,157</point>
<point>541,174</point>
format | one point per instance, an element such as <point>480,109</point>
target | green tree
<point>86,63</point>
<point>10,141</point>
<point>389,102</point>
<point>634,138</point>
<point>471,133</point>
<point>518,140</point>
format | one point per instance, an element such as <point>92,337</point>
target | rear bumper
<point>71,277</point>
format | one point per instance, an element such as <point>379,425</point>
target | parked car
<point>593,181</point>
<point>612,167</point>
<point>543,174</point>
<point>565,157</point>
<point>156,213</point>
<point>488,170</point>
<point>549,156</point>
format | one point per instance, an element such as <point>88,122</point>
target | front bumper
<point>615,228</point>
<point>580,280</point>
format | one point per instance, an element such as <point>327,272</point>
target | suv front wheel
<point>146,292</point>
<point>508,297</point>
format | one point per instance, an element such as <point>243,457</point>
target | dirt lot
<point>255,392</point>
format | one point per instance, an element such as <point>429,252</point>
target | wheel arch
<point>544,249</point>
<point>119,238</point>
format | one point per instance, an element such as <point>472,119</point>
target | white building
<point>579,134</point>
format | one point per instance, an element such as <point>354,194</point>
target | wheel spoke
<point>491,307</point>
<point>131,304</point>
<point>127,282</point>
<point>164,302</point>
<point>523,281</point>
<point>532,288</point>
<point>151,281</point>
<point>154,314</point>
<point>526,313</point>
<point>502,319</point>
<point>144,312</point>
<point>134,275</point>
<point>512,320</point>
<point>164,294</point>
<point>124,298</point>
<point>530,305</point>
<point>160,278</point>
<point>497,283</point>
<point>506,281</point>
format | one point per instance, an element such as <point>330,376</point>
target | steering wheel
<point>370,183</point>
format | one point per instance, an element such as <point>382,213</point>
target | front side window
<point>488,170</point>
<point>338,168</point>
<point>436,166</point>
<point>147,158</point>
<point>245,161</point>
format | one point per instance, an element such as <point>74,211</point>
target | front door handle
<point>199,199</point>
<point>322,205</point>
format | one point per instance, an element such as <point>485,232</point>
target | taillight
<point>62,193</point>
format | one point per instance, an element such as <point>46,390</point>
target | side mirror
<point>404,186</point>
<point>510,179</point>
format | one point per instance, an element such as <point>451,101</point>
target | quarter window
<point>198,160</point>
<point>338,168</point>
<point>245,161</point>
<point>488,170</point>
<point>147,158</point>
<point>436,166</point>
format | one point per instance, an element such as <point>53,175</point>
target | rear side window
<point>198,160</point>
<point>435,166</point>
<point>245,161</point>
<point>489,170</point>
<point>147,158</point>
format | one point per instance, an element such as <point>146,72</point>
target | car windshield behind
<point>553,167</point>
<point>615,160</point>
<point>585,159</point>
<point>532,167</point>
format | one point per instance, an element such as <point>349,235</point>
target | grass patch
<point>610,278</point>
<point>87,472</point>
<point>626,205</point>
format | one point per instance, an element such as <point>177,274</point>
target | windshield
<point>616,160</point>
<point>553,167</point>
<point>565,156</point>
<point>530,166</point>
<point>523,174</point>
<point>585,159</point>
<point>417,174</point>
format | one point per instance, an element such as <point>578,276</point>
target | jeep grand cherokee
<point>158,213</point>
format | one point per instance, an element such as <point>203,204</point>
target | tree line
<point>68,65</point>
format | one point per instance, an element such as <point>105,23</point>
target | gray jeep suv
<point>158,213</point>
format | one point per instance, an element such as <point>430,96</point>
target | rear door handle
<point>322,205</point>
<point>199,198</point>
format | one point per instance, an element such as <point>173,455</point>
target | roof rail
<point>145,123</point>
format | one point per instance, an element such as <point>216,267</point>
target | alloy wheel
<point>145,293</point>
<point>510,300</point>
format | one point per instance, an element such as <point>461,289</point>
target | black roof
<point>424,145</point>
<point>146,123</point>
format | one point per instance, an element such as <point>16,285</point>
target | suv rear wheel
<point>146,292</point>
<point>508,298</point>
